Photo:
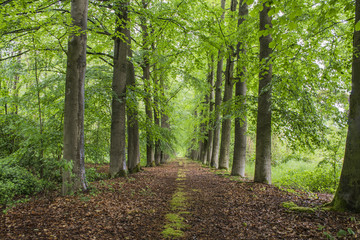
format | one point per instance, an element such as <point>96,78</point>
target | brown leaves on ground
<point>135,208</point>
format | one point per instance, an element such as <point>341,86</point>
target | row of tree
<point>278,76</point>
<point>134,65</point>
<point>35,33</point>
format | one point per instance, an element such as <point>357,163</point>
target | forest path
<point>178,200</point>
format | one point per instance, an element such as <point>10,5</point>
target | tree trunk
<point>74,170</point>
<point>118,120</point>
<point>156,117</point>
<point>41,153</point>
<point>164,124</point>
<point>239,159</point>
<point>216,143</point>
<point>209,145</point>
<point>132,114</point>
<point>263,126</point>
<point>228,94</point>
<point>147,99</point>
<point>203,128</point>
<point>226,123</point>
<point>347,196</point>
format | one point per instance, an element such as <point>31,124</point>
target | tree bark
<point>347,196</point>
<point>147,99</point>
<point>263,126</point>
<point>164,121</point>
<point>216,141</point>
<point>118,122</point>
<point>239,158</point>
<point>74,173</point>
<point>156,117</point>
<point>228,94</point>
<point>210,142</point>
<point>132,114</point>
<point>203,128</point>
<point>164,124</point>
<point>226,123</point>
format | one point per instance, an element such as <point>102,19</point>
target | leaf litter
<point>217,207</point>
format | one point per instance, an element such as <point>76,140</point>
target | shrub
<point>16,181</point>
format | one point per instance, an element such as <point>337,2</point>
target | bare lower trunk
<point>347,196</point>
<point>132,115</point>
<point>74,170</point>
<point>156,118</point>
<point>238,168</point>
<point>210,140</point>
<point>118,122</point>
<point>216,140</point>
<point>164,124</point>
<point>263,127</point>
<point>147,99</point>
<point>226,124</point>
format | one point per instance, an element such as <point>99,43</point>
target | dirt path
<point>179,200</point>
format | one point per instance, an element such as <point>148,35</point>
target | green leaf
<point>249,2</point>
<point>272,44</point>
<point>341,233</point>
<point>357,26</point>
<point>292,25</point>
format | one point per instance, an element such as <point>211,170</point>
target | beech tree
<point>74,172</point>
<point>347,196</point>
<point>219,73</point>
<point>118,123</point>
<point>263,124</point>
<point>132,113</point>
<point>239,157</point>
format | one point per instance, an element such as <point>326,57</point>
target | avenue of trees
<point>134,82</point>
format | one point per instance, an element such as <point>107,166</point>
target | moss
<point>170,233</point>
<point>136,169</point>
<point>121,173</point>
<point>178,200</point>
<point>293,207</point>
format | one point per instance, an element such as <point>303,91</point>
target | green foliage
<point>319,179</point>
<point>93,175</point>
<point>16,181</point>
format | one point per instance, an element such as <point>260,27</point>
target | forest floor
<point>178,200</point>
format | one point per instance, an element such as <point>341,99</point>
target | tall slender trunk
<point>132,114</point>
<point>209,145</point>
<point>74,173</point>
<point>204,127</point>
<point>348,193</point>
<point>157,156</point>
<point>239,159</point>
<point>219,69</point>
<point>263,126</point>
<point>40,118</point>
<point>147,99</point>
<point>118,120</point>
<point>164,121</point>
<point>226,124</point>
<point>228,94</point>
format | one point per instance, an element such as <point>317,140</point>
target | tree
<point>118,123</point>
<point>150,161</point>
<point>132,114</point>
<point>210,133</point>
<point>219,70</point>
<point>228,94</point>
<point>239,157</point>
<point>348,192</point>
<point>263,125</point>
<point>74,174</point>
